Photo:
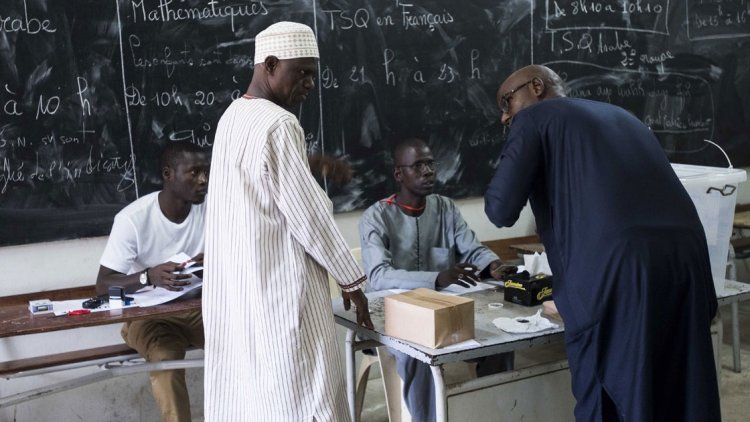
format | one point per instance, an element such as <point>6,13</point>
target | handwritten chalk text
<point>165,12</point>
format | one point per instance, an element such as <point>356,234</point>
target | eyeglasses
<point>505,99</point>
<point>422,166</point>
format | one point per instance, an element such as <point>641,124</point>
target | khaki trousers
<point>163,339</point>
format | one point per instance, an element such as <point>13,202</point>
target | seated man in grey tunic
<point>419,239</point>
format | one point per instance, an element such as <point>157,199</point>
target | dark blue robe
<point>632,278</point>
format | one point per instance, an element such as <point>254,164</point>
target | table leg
<point>736,336</point>
<point>351,389</point>
<point>440,399</point>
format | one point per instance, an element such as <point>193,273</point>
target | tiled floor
<point>735,388</point>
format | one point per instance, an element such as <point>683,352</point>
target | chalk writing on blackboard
<point>90,90</point>
<point>717,19</point>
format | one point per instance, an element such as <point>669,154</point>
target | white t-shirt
<point>142,237</point>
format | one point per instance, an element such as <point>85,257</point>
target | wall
<point>54,265</point>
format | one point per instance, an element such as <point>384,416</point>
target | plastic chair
<point>392,385</point>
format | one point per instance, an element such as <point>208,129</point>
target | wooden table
<point>742,220</point>
<point>17,320</point>
<point>528,248</point>
<point>741,243</point>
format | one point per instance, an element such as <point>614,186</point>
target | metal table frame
<point>491,339</point>
<point>734,292</point>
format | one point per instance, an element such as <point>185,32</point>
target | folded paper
<point>521,325</point>
<point>537,264</point>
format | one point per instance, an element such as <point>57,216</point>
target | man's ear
<point>538,87</point>
<point>166,173</point>
<point>270,64</point>
<point>398,174</point>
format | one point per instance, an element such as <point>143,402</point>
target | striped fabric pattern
<point>271,351</point>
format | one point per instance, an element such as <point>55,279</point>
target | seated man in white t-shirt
<point>145,234</point>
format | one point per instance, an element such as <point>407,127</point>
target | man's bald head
<point>406,145</point>
<point>525,87</point>
<point>555,87</point>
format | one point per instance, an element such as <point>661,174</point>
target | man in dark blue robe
<point>632,278</point>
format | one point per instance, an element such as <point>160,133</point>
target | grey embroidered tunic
<point>404,252</point>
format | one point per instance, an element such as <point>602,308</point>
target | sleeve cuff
<point>360,283</point>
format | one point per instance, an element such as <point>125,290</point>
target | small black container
<point>528,291</point>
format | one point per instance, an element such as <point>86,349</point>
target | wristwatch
<point>144,278</point>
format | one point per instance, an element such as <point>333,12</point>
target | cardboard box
<point>429,318</point>
<point>528,291</point>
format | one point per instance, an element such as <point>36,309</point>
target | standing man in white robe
<point>271,239</point>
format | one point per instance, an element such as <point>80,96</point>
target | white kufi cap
<point>285,40</point>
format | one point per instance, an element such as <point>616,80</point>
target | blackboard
<point>90,90</point>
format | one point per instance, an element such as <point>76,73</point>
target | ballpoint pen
<point>73,313</point>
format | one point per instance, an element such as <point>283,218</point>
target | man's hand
<point>336,169</point>
<point>550,309</point>
<point>500,271</point>
<point>463,274</point>
<point>163,275</point>
<point>360,306</point>
<point>198,259</point>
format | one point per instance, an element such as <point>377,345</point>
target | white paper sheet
<point>149,296</point>
<point>62,307</point>
<point>185,259</point>
<point>456,290</point>
<point>519,325</point>
<point>462,345</point>
<point>536,264</point>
